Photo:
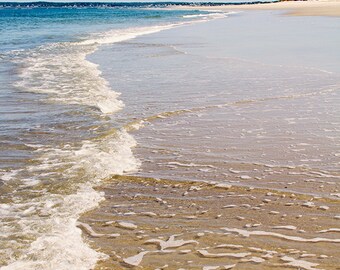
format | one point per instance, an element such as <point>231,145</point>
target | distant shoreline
<point>295,8</point>
<point>129,4</point>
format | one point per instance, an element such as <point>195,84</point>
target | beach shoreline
<point>165,224</point>
<point>209,145</point>
<point>294,8</point>
<point>160,218</point>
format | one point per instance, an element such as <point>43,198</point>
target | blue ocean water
<point>27,28</point>
<point>59,136</point>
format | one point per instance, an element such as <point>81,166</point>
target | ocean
<point>91,91</point>
<point>59,133</point>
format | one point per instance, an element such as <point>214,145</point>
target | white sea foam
<point>119,35</point>
<point>246,233</point>
<point>300,264</point>
<point>6,176</point>
<point>62,71</point>
<point>212,15</point>
<point>207,15</point>
<point>62,247</point>
<point>136,259</point>
<point>171,242</point>
<point>52,218</point>
<point>44,226</point>
<point>206,254</point>
<point>111,155</point>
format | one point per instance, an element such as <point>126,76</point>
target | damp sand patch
<point>173,224</point>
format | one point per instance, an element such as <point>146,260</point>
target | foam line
<point>246,233</point>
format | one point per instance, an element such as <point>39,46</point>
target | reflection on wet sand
<point>161,224</point>
<point>238,146</point>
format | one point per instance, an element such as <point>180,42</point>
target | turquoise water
<point>58,131</point>
<point>27,28</point>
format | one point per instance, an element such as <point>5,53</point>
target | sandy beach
<point>143,136</point>
<point>158,224</point>
<point>297,8</point>
<point>247,184</point>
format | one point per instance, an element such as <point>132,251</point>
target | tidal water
<point>90,92</point>
<point>249,97</point>
<point>58,130</point>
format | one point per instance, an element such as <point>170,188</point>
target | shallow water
<point>59,136</point>
<point>111,93</point>
<point>239,148</point>
<point>153,223</point>
<point>205,111</point>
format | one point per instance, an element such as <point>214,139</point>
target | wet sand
<point>250,183</point>
<point>191,225</point>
